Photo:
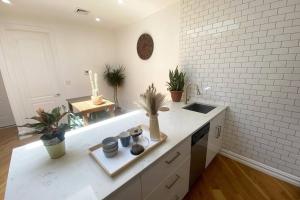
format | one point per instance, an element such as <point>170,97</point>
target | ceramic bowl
<point>111,149</point>
<point>109,143</point>
<point>110,154</point>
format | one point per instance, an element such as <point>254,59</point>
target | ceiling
<point>111,13</point>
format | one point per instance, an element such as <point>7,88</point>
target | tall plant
<point>115,77</point>
<point>176,82</point>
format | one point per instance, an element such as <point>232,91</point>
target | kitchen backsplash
<point>248,53</point>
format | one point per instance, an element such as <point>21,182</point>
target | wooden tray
<point>124,158</point>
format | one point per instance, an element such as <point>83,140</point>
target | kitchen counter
<point>33,175</point>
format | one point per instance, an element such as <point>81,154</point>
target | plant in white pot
<point>51,130</point>
<point>176,84</point>
<point>152,101</point>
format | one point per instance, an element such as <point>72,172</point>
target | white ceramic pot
<point>56,150</point>
<point>154,128</point>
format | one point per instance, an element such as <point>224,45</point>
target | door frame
<point>11,90</point>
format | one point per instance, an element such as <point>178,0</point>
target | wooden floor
<point>230,180</point>
<point>223,179</point>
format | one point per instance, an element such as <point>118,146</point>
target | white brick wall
<point>248,52</point>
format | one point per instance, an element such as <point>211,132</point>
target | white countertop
<point>34,176</point>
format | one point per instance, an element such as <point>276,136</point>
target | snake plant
<point>176,80</point>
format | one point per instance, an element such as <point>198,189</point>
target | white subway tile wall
<point>248,53</point>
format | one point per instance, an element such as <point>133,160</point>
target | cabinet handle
<point>174,158</point>
<point>219,129</point>
<point>173,183</point>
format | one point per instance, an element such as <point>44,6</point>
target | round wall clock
<point>145,46</point>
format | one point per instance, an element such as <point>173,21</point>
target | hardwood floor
<point>224,179</point>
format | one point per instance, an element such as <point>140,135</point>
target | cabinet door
<point>131,190</point>
<point>162,168</point>
<point>215,137</point>
<point>175,186</point>
<point>219,131</point>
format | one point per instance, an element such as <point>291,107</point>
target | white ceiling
<point>111,13</point>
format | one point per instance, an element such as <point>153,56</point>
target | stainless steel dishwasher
<point>198,153</point>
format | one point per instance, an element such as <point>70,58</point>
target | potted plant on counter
<point>51,130</point>
<point>176,84</point>
<point>115,77</point>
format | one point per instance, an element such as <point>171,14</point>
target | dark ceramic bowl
<point>110,154</point>
<point>111,149</point>
<point>109,143</point>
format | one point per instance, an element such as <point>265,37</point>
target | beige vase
<point>154,128</point>
<point>57,150</point>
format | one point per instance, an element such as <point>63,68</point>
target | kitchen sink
<point>201,108</point>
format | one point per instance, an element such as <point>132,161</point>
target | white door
<point>6,116</point>
<point>31,67</point>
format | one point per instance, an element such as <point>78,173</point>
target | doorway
<point>6,115</point>
<point>30,66</point>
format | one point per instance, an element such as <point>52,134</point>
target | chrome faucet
<point>187,97</point>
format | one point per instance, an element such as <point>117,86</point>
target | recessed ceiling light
<point>120,1</point>
<point>6,1</point>
<point>98,19</point>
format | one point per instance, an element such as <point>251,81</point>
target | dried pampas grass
<point>152,101</point>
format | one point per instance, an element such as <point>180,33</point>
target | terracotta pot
<point>176,95</point>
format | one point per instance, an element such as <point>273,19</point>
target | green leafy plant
<point>115,77</point>
<point>48,123</point>
<point>176,80</point>
<point>151,100</point>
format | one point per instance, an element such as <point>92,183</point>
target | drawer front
<point>152,176</point>
<point>131,190</point>
<point>175,186</point>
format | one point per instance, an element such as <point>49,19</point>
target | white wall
<point>248,52</point>
<point>76,48</point>
<point>163,26</point>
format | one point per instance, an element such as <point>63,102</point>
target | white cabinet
<point>152,176</point>
<point>215,137</point>
<point>175,186</point>
<point>167,178</point>
<point>131,190</point>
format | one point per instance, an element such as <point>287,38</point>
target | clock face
<point>145,46</point>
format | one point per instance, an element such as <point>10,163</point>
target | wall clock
<point>145,46</point>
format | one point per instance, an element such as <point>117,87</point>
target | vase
<point>154,128</point>
<point>55,146</point>
<point>56,150</point>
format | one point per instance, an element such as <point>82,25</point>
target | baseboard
<point>295,180</point>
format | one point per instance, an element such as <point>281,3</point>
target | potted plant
<point>115,78</point>
<point>152,101</point>
<point>51,130</point>
<point>176,84</point>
